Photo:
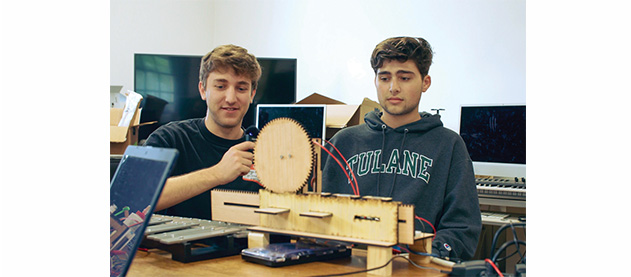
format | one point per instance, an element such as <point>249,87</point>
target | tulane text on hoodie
<point>421,163</point>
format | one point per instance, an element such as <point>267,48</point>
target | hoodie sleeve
<point>459,227</point>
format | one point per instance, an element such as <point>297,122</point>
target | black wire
<point>420,266</point>
<point>499,231</point>
<point>420,253</point>
<point>521,261</point>
<point>516,244</point>
<point>504,246</point>
<point>510,255</point>
<point>375,268</point>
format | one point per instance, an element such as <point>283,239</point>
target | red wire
<point>347,165</point>
<point>340,164</point>
<point>426,221</point>
<point>494,267</point>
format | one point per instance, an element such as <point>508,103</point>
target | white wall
<point>480,45</point>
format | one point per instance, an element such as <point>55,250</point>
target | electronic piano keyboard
<point>501,188</point>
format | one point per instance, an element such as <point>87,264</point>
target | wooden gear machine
<point>284,158</point>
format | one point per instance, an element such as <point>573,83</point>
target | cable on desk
<point>386,264</point>
<point>420,266</point>
<point>407,248</point>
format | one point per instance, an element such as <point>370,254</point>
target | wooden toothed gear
<point>283,155</point>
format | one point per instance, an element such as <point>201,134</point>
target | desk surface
<point>158,263</point>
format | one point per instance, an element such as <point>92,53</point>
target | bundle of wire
<point>495,253</point>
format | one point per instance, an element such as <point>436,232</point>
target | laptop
<point>134,192</point>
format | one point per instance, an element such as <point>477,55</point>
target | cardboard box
<point>340,115</point>
<point>122,136</point>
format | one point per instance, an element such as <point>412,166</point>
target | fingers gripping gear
<point>283,155</point>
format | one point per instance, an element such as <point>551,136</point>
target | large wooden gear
<point>283,156</point>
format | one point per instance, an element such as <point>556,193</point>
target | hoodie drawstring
<point>394,180</point>
<point>383,144</point>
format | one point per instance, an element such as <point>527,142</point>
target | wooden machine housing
<point>376,222</point>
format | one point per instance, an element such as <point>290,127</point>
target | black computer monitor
<point>495,136</point>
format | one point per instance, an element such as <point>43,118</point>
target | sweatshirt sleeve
<point>458,229</point>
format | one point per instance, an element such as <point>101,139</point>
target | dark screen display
<point>495,133</point>
<point>311,118</point>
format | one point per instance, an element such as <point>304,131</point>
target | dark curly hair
<point>403,49</point>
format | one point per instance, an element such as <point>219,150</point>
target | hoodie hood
<point>428,121</point>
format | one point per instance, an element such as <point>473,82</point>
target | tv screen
<point>168,84</point>
<point>495,134</point>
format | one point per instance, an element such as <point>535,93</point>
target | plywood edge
<point>271,211</point>
<point>320,236</point>
<point>406,224</point>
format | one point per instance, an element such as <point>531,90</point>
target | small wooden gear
<point>283,155</point>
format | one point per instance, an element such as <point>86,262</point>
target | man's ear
<point>427,81</point>
<point>252,97</point>
<point>202,91</point>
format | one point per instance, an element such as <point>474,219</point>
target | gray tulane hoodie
<point>421,163</point>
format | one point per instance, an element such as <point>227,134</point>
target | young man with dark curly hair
<point>408,155</point>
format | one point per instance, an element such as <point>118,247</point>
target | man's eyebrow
<point>222,80</point>
<point>401,71</point>
<point>405,72</point>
